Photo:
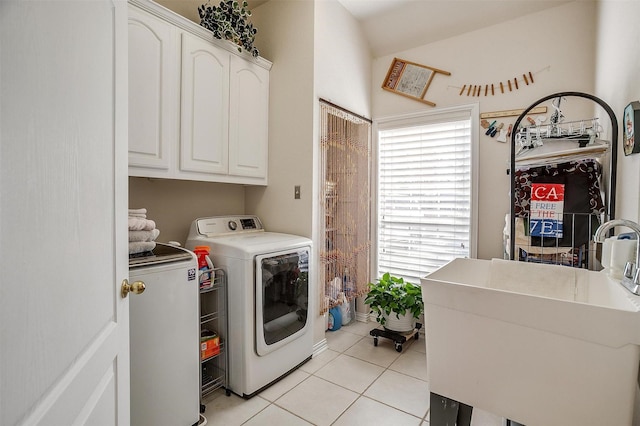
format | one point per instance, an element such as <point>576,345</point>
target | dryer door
<point>282,298</point>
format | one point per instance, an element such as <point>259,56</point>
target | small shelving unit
<point>213,319</point>
<point>579,155</point>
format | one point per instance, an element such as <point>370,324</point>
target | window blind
<point>424,196</point>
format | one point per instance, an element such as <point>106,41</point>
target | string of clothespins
<point>492,88</point>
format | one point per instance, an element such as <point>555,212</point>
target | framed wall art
<point>630,128</point>
<point>410,79</point>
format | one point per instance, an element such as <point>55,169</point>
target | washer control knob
<point>232,225</point>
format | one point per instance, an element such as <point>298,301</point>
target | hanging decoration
<point>501,87</point>
<point>410,79</point>
<point>512,112</point>
<point>476,90</point>
<point>344,197</point>
<point>631,126</point>
<point>500,129</point>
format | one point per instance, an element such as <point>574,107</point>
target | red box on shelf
<point>209,346</point>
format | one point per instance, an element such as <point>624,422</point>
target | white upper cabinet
<point>249,119</point>
<point>153,94</point>
<point>198,109</point>
<point>204,136</point>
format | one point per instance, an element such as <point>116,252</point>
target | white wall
<point>556,45</point>
<point>317,50</point>
<point>285,37</point>
<point>342,59</point>
<point>343,77</point>
<point>617,68</point>
<point>174,204</point>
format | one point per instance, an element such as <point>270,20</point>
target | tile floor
<point>351,383</point>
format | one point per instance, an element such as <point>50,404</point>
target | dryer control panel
<point>225,225</point>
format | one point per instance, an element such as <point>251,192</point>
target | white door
<point>63,198</point>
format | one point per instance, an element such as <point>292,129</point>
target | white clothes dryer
<point>270,331</point>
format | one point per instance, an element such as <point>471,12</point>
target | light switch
<point>296,192</point>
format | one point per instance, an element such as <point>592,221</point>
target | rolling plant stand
<point>398,338</point>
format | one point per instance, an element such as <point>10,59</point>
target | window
<point>426,191</point>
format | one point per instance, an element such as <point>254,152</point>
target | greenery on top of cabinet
<point>228,21</point>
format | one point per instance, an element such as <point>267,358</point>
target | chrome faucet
<point>631,278</point>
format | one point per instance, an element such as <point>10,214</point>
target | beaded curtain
<point>345,204</point>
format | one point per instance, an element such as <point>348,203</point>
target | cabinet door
<point>153,90</point>
<point>249,119</point>
<point>204,134</point>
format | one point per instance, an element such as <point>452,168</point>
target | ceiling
<point>395,25</point>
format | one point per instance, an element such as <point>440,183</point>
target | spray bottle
<point>205,266</point>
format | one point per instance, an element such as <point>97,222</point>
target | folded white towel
<point>141,246</point>
<point>140,236</point>
<point>141,213</point>
<point>140,224</point>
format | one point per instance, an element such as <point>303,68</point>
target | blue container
<point>335,318</point>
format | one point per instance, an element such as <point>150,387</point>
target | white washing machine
<point>269,297</point>
<point>164,326</point>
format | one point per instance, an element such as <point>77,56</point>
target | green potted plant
<point>397,303</point>
<point>229,21</point>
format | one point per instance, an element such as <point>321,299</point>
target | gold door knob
<point>135,288</point>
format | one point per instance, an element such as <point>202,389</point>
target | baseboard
<point>320,347</point>
<point>362,317</point>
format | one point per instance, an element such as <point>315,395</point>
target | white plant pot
<point>405,324</point>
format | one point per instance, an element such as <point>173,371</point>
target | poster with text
<point>547,206</point>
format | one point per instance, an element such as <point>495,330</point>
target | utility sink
<point>538,344</point>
